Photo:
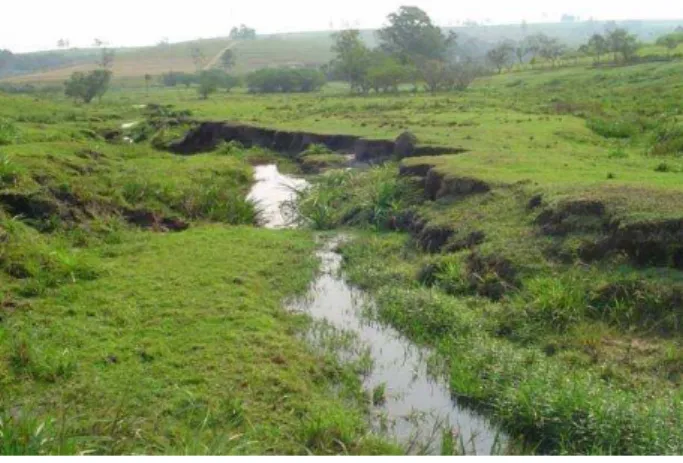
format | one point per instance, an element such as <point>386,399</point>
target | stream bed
<point>418,406</point>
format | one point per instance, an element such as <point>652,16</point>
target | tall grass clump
<point>558,409</point>
<point>24,435</point>
<point>9,171</point>
<point>613,128</point>
<point>8,132</point>
<point>39,262</point>
<point>667,141</point>
<point>370,198</point>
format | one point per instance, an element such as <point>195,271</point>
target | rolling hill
<point>300,49</point>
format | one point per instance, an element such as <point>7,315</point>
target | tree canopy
<point>87,86</point>
<point>411,37</point>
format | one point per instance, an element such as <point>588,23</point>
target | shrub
<point>209,81</point>
<point>316,149</point>
<point>667,141</point>
<point>285,80</point>
<point>9,171</point>
<point>8,132</point>
<point>373,197</point>
<point>663,167</point>
<point>86,87</point>
<point>613,128</point>
<point>618,153</point>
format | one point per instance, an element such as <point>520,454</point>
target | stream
<point>418,406</point>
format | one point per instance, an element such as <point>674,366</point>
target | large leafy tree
<point>501,55</point>
<point>411,37</point>
<point>597,46</point>
<point>353,59</point>
<point>622,43</point>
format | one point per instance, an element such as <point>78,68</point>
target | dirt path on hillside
<point>217,57</point>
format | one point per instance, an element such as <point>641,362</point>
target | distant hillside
<point>296,49</point>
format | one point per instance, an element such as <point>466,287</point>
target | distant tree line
<point>209,81</point>
<point>242,33</point>
<point>412,50</point>
<point>615,46</point>
<point>11,63</point>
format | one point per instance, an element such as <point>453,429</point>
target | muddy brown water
<point>419,406</point>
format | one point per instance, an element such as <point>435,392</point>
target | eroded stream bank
<point>417,406</point>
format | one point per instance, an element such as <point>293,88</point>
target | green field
<point>543,265</point>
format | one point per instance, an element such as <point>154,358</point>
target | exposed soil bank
<point>656,243</point>
<point>438,185</point>
<point>208,135</point>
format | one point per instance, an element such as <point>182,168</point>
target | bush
<point>613,128</point>
<point>85,87</point>
<point>374,197</point>
<point>9,171</point>
<point>667,141</point>
<point>172,79</point>
<point>8,132</point>
<point>209,81</point>
<point>285,80</point>
<point>387,74</point>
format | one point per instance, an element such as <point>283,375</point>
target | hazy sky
<point>27,25</point>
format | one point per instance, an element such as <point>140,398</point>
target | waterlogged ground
<point>271,193</point>
<point>411,405</point>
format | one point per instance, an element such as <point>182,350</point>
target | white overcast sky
<point>27,25</point>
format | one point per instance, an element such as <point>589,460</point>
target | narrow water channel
<point>418,407</point>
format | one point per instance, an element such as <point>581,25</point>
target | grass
<point>201,360</point>
<point>550,393</point>
<point>574,350</point>
<point>341,197</point>
<point>120,337</point>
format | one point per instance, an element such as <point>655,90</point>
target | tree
<point>6,59</point>
<point>597,46</point>
<point>107,58</point>
<point>461,75</point>
<point>198,58</point>
<point>622,43</point>
<point>148,79</point>
<point>230,82</point>
<point>500,55</point>
<point>242,33</point>
<point>520,52</point>
<point>63,43</point>
<point>106,55</point>
<point>86,87</point>
<point>411,37</point>
<point>209,81</point>
<point>353,59</point>
<point>434,73</point>
<point>671,42</point>
<point>228,59</point>
<point>551,49</point>
<point>285,80</point>
<point>386,73</point>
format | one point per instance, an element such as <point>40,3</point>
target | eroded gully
<point>418,406</point>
